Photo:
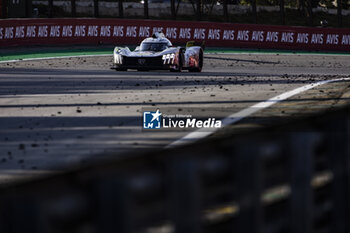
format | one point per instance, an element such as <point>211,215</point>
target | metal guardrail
<point>293,178</point>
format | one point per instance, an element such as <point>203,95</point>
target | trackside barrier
<point>291,178</point>
<point>126,32</point>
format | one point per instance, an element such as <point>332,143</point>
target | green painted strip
<point>34,53</point>
<point>44,53</point>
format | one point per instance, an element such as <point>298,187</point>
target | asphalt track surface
<point>61,113</point>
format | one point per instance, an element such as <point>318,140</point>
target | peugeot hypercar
<point>157,53</point>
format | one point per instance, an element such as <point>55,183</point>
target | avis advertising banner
<point>127,32</point>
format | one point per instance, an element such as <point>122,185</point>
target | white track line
<point>235,117</point>
<point>58,57</point>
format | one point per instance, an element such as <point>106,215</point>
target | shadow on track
<point>240,60</point>
<point>108,71</point>
<point>175,103</point>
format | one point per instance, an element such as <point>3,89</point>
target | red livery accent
<point>121,32</point>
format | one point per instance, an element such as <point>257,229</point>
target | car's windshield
<point>153,46</point>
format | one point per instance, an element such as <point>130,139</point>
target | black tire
<point>142,69</point>
<point>121,69</point>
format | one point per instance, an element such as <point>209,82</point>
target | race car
<point>158,53</point>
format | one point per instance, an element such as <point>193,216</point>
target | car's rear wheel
<point>200,64</point>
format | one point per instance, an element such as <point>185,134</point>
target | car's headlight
<point>118,59</point>
<point>168,58</point>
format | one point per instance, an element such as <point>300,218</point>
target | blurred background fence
<point>291,178</point>
<point>334,13</point>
